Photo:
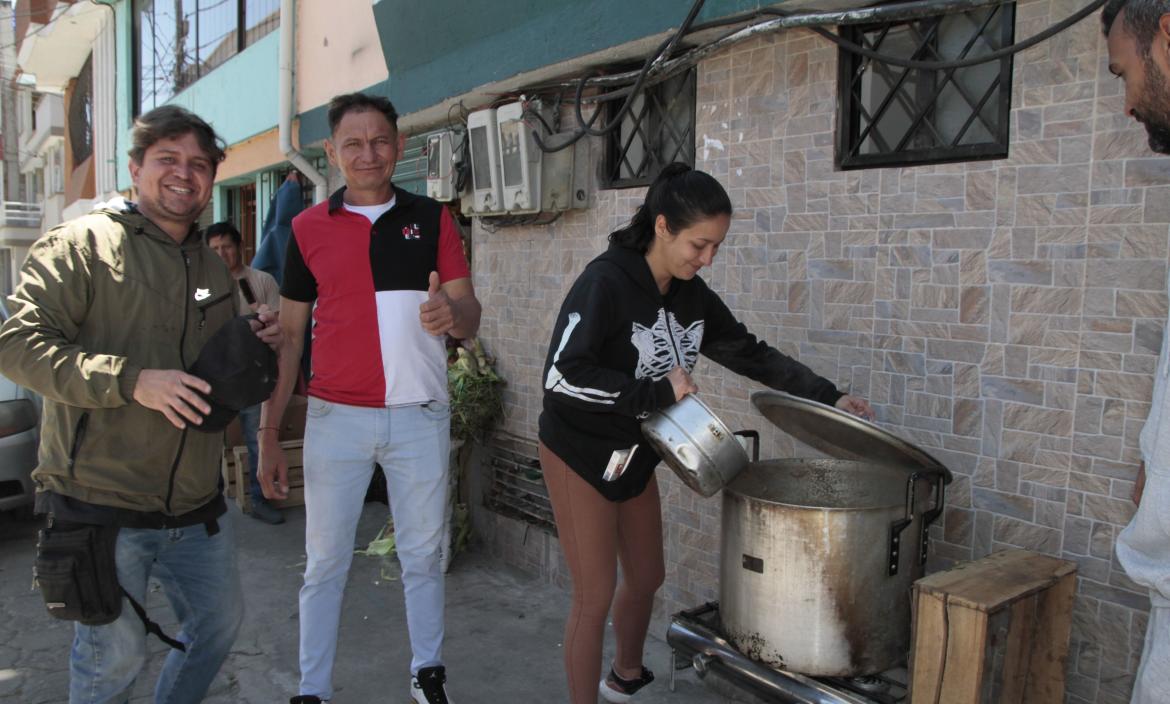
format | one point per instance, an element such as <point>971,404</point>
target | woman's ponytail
<point>683,196</point>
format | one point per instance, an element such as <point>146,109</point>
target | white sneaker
<point>428,686</point>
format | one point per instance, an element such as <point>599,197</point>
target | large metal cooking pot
<point>700,448</point>
<point>818,558</point>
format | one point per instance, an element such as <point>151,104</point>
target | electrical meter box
<point>556,179</point>
<point>440,181</point>
<point>485,197</point>
<point>564,177</point>
<point>520,159</point>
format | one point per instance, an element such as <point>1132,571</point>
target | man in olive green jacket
<point>111,310</point>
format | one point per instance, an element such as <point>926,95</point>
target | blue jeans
<point>200,579</point>
<point>250,426</point>
<point>342,443</point>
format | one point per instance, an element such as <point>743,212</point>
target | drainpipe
<point>287,26</point>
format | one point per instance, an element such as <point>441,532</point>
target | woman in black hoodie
<point>626,339</point>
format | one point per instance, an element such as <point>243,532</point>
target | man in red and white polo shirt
<point>382,273</point>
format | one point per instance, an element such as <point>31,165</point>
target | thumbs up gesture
<point>435,313</point>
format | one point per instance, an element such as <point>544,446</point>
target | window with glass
<point>177,42</point>
<point>892,116</point>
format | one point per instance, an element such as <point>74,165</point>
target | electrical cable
<point>585,127</point>
<point>912,9</point>
<point>493,223</point>
<point>971,61</point>
<point>650,63</point>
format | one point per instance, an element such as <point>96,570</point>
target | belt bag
<point>76,572</point>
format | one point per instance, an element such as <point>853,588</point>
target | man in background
<point>257,288</point>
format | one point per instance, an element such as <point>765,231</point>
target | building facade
<point>1002,307</point>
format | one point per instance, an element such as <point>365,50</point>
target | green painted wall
<point>239,98</point>
<point>438,49</point>
<point>433,50</point>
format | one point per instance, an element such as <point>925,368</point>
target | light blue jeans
<point>342,443</point>
<point>200,579</point>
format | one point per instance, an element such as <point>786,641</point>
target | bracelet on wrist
<point>268,427</point>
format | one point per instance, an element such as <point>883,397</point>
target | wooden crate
<point>993,631</point>
<point>292,427</point>
<point>238,467</point>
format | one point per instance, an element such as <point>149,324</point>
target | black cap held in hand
<point>240,368</point>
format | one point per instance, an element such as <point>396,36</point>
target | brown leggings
<point>595,534</point>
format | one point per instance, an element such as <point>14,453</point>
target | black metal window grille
<point>81,115</point>
<point>516,484</point>
<point>658,129</point>
<point>177,42</point>
<point>892,116</point>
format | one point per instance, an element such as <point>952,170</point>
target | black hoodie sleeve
<point>727,342</point>
<point>576,374</point>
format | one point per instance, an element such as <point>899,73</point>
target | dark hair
<point>360,102</point>
<point>222,229</point>
<point>171,121</point>
<point>1141,19</point>
<point>683,196</point>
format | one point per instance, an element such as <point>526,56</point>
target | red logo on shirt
<point>411,232</point>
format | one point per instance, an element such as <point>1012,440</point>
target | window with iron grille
<point>892,116</point>
<point>658,129</point>
<point>177,42</point>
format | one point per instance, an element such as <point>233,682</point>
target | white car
<point>20,411</point>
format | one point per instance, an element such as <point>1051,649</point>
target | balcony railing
<point>17,214</point>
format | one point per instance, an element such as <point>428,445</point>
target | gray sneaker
<point>264,511</point>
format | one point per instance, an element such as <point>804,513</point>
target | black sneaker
<point>305,699</point>
<point>617,690</point>
<point>264,511</point>
<point>427,686</point>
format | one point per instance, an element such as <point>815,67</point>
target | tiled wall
<point>1005,315</point>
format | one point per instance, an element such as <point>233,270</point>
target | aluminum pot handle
<point>754,436</point>
<point>898,526</point>
<point>940,492</point>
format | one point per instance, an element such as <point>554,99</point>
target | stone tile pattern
<point>1005,315</point>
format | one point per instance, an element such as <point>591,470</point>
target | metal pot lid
<point>842,435</point>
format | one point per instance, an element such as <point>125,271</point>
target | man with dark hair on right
<point>382,273</point>
<point>1138,36</point>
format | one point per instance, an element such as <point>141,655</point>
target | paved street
<point>503,629</point>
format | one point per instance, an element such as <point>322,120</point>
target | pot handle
<point>755,438</point>
<point>940,492</point>
<point>899,525</point>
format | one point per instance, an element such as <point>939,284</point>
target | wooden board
<point>294,454</point>
<point>928,646</point>
<point>1049,656</point>
<point>993,631</point>
<point>997,579</point>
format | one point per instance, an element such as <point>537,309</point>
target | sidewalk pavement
<point>503,640</point>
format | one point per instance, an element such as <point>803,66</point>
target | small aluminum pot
<point>700,448</point>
